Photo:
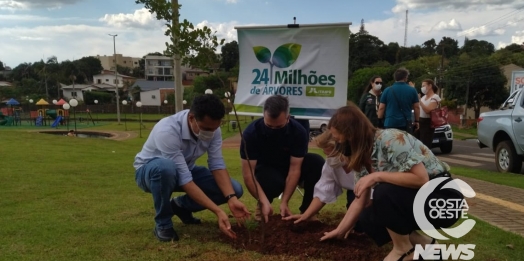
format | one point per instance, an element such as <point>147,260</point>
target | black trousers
<point>393,209</point>
<point>425,132</point>
<point>273,180</point>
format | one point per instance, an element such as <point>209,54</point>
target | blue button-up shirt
<point>171,139</point>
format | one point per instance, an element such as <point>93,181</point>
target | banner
<point>517,80</point>
<point>306,63</point>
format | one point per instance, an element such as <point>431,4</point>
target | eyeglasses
<point>378,82</point>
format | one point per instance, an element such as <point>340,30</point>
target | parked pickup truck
<point>503,132</point>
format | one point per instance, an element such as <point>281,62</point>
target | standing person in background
<point>397,102</point>
<point>427,103</point>
<point>370,101</point>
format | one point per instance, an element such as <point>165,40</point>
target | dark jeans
<point>273,180</point>
<point>425,132</point>
<point>393,209</point>
<point>160,178</point>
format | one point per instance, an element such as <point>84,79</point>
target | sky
<point>31,30</point>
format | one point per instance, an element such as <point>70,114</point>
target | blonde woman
<point>336,176</point>
<point>427,103</point>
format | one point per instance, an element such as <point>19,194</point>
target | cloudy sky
<point>70,29</point>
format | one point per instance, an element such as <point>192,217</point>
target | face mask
<point>334,162</point>
<point>345,148</point>
<point>203,135</point>
<point>423,90</point>
<point>377,87</point>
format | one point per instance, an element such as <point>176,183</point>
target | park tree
<point>448,47</point>
<point>477,48</point>
<point>188,44</point>
<point>88,67</point>
<point>429,47</point>
<point>476,82</point>
<point>2,66</point>
<point>230,55</point>
<point>514,48</point>
<point>364,50</point>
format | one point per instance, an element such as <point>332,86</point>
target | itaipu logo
<point>439,208</point>
<point>288,82</point>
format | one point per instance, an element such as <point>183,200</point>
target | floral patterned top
<point>398,151</point>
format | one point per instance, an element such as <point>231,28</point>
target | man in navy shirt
<point>276,148</point>
<point>167,164</point>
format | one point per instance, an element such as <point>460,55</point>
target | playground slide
<point>56,122</point>
<point>39,120</point>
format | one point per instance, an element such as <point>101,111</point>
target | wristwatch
<point>228,197</point>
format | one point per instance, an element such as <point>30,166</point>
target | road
<point>466,153</point>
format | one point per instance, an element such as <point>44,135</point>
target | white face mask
<point>204,135</point>
<point>423,90</point>
<point>334,162</point>
<point>377,87</point>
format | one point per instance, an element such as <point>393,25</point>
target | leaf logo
<point>283,57</point>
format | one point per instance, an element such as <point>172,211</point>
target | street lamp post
<point>184,102</point>
<point>139,105</point>
<point>116,84</point>
<point>66,107</point>
<point>208,91</point>
<point>124,103</point>
<point>96,103</point>
<point>165,102</point>
<point>74,103</point>
<point>30,105</point>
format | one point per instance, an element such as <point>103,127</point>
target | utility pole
<point>179,89</point>
<point>116,80</point>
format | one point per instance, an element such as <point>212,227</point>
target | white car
<point>318,125</point>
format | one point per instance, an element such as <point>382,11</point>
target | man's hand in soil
<point>239,210</point>
<point>284,210</point>
<point>267,211</point>
<point>224,225</point>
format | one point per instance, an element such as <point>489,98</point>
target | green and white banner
<point>307,63</point>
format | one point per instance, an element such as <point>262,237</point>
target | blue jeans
<point>160,178</point>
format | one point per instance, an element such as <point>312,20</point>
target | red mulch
<point>303,240</point>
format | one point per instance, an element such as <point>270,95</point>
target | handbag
<point>409,124</point>
<point>439,116</point>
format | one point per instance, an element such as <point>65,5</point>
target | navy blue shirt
<point>274,147</point>
<point>406,96</point>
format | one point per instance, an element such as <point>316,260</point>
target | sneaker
<point>166,235</point>
<point>185,215</point>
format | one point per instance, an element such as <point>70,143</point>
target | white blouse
<point>427,100</point>
<point>331,183</point>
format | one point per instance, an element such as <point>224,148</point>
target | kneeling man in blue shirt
<point>167,164</point>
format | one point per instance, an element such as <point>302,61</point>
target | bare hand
<point>416,125</point>
<point>334,234</point>
<point>364,183</point>
<point>297,217</point>
<point>284,210</point>
<point>239,210</point>
<point>224,225</point>
<point>412,84</point>
<point>267,210</point>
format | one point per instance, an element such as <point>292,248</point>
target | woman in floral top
<point>395,165</point>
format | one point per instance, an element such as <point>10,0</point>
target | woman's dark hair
<point>276,105</point>
<point>366,90</point>
<point>356,129</point>
<point>208,104</point>
<point>432,83</point>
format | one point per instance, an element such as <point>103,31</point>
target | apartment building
<point>158,68</point>
<point>108,61</point>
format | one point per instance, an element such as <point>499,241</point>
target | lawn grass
<point>508,179</point>
<point>67,198</point>
<point>467,133</point>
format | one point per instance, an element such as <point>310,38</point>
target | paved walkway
<point>499,205</point>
